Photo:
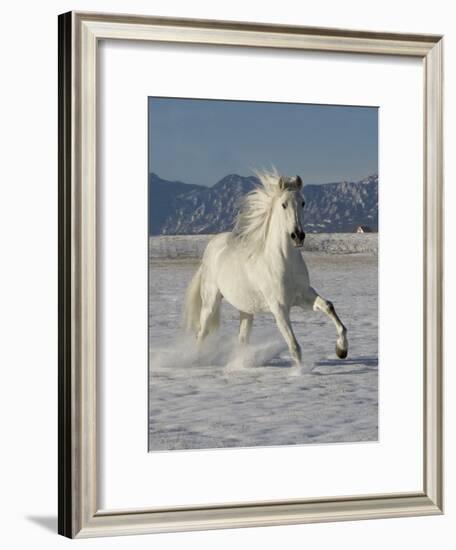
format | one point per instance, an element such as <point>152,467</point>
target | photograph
<point>263,274</point>
<point>227,275</point>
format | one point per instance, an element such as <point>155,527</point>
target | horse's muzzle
<point>298,238</point>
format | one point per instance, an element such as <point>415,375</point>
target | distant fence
<point>192,246</point>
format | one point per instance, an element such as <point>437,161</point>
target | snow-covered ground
<point>228,397</point>
<point>192,246</point>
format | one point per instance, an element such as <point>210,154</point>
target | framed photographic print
<point>220,255</point>
<point>250,290</point>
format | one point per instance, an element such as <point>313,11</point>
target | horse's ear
<point>281,183</point>
<point>299,182</point>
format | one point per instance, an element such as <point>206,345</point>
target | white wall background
<point>28,271</point>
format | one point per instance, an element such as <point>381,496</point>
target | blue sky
<point>201,141</point>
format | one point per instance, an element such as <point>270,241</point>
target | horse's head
<point>290,204</point>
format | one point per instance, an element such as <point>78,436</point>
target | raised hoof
<point>341,353</point>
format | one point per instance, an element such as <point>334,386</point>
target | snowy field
<point>192,246</point>
<point>229,397</point>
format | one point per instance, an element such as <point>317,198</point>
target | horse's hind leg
<point>210,309</point>
<point>245,327</point>
<point>320,304</point>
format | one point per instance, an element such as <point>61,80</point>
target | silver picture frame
<point>79,513</point>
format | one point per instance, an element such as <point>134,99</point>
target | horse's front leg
<point>320,304</point>
<point>282,317</point>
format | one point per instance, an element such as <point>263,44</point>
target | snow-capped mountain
<point>177,208</point>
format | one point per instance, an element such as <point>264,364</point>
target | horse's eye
<point>284,205</point>
<point>303,204</point>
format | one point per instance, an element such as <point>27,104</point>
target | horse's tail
<point>193,303</point>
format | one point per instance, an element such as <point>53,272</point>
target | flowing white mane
<point>252,222</point>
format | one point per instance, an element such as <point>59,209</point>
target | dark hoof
<point>341,353</point>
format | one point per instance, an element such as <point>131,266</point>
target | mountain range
<point>178,208</point>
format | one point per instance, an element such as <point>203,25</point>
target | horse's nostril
<point>293,236</point>
<point>302,235</point>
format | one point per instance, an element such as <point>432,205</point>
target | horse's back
<point>214,248</point>
<point>221,252</point>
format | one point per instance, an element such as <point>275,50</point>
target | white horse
<point>259,267</point>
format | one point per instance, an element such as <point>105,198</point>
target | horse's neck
<point>279,247</point>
